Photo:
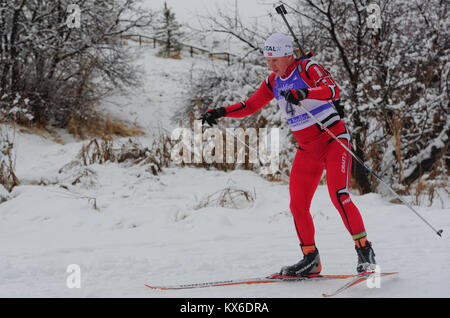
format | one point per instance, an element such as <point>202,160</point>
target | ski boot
<point>366,255</point>
<point>309,266</point>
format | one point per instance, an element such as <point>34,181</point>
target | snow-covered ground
<point>143,228</point>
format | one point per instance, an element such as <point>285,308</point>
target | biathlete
<point>302,80</point>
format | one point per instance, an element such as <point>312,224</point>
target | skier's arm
<point>323,86</point>
<point>257,101</point>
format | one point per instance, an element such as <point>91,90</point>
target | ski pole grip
<point>281,9</point>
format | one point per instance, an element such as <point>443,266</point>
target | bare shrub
<point>87,177</point>
<point>431,187</point>
<point>95,126</point>
<point>229,197</point>
<point>161,148</point>
<point>8,178</point>
<point>96,152</point>
<point>128,152</point>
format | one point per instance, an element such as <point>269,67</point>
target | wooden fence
<point>142,39</point>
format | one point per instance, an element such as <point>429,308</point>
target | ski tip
<point>376,273</point>
<point>149,286</point>
<point>155,287</point>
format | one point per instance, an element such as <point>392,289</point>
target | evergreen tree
<point>167,31</point>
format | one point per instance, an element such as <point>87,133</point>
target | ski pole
<point>438,232</point>
<point>281,10</point>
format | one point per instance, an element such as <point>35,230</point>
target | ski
<point>274,278</point>
<point>356,280</point>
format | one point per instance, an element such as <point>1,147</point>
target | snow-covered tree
<point>51,69</point>
<point>394,80</point>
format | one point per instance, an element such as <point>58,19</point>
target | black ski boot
<point>366,256</point>
<point>308,266</point>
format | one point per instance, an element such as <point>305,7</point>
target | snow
<point>143,228</point>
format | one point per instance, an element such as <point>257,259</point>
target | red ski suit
<point>317,149</point>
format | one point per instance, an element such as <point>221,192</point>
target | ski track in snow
<point>146,228</point>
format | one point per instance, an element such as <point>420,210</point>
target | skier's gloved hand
<point>212,114</point>
<point>294,96</point>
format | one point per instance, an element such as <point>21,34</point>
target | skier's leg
<point>305,177</point>
<point>338,166</point>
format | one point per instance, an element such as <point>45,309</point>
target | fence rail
<point>187,47</point>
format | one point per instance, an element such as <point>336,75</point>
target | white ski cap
<point>278,45</point>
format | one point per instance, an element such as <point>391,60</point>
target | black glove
<point>294,96</point>
<point>212,114</point>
